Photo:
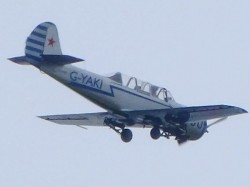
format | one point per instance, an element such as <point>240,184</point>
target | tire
<point>155,133</point>
<point>126,135</point>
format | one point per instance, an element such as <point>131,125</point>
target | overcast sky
<point>199,50</point>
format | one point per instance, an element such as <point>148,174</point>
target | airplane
<point>129,102</point>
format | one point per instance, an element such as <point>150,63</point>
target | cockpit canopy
<point>142,87</point>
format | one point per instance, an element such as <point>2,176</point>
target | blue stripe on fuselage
<point>92,89</point>
<point>111,94</point>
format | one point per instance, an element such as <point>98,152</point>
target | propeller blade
<point>182,140</point>
<point>180,143</point>
<point>217,121</point>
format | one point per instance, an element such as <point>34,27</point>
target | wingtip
<point>244,111</point>
<point>241,110</point>
<point>43,117</point>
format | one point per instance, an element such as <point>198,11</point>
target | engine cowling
<point>195,130</point>
<point>181,117</point>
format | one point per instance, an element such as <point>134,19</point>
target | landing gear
<point>119,127</point>
<point>170,131</point>
<point>155,133</point>
<point>126,135</point>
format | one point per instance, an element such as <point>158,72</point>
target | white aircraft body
<point>129,102</point>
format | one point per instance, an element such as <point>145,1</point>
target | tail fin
<point>42,40</point>
<point>43,45</point>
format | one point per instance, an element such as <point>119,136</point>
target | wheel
<point>155,133</point>
<point>126,135</point>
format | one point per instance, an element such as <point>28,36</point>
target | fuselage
<point>103,91</point>
<point>113,96</point>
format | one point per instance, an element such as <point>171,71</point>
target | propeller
<point>180,142</point>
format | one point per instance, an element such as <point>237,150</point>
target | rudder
<point>43,40</point>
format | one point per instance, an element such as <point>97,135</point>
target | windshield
<point>142,87</point>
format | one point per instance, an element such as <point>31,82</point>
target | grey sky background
<point>199,50</point>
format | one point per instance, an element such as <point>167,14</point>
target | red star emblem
<point>51,42</point>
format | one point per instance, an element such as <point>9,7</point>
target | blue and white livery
<point>129,102</point>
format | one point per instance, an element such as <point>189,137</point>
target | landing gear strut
<point>118,127</point>
<point>179,133</point>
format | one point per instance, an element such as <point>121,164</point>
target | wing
<point>169,121</point>
<point>184,114</point>
<point>92,119</point>
<point>148,118</point>
<point>89,119</point>
<point>213,112</point>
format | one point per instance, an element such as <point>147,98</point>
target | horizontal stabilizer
<point>55,59</point>
<point>61,59</point>
<point>20,60</point>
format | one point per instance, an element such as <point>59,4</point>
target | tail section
<point>42,40</point>
<point>43,45</point>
